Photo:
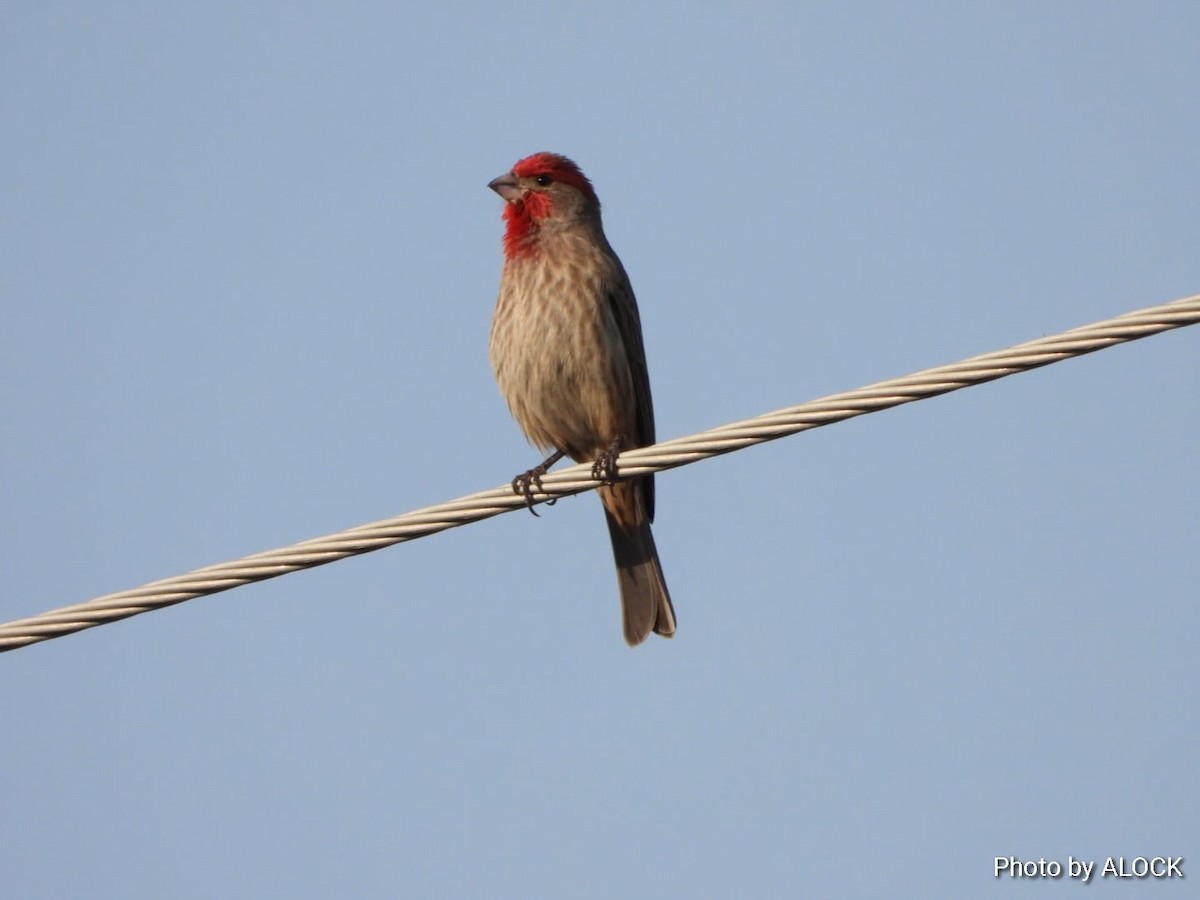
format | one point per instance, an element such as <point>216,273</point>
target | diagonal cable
<point>576,479</point>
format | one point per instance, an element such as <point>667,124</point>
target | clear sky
<point>247,265</point>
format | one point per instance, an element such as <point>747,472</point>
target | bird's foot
<point>604,469</point>
<point>527,483</point>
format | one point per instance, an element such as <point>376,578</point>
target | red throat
<point>521,220</point>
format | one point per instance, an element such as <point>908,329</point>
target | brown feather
<point>566,347</point>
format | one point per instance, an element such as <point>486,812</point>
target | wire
<point>576,479</point>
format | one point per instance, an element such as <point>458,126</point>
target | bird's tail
<point>645,601</point>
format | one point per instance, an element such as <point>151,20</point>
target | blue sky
<point>247,264</point>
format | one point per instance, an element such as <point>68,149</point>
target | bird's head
<point>542,190</point>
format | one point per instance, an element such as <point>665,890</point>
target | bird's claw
<point>527,483</point>
<point>605,469</point>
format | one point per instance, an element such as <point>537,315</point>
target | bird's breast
<point>558,355</point>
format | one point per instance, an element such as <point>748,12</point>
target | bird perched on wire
<point>566,348</point>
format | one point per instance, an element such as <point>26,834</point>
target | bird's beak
<point>506,186</point>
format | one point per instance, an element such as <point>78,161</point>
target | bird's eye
<point>543,180</point>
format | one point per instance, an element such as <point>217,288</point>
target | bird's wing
<point>625,312</point>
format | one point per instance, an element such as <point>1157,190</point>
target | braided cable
<point>576,479</point>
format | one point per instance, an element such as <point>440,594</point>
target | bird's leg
<point>527,482</point>
<point>604,469</point>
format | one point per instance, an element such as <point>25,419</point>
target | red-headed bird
<point>566,347</point>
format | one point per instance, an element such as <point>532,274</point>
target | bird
<point>566,349</point>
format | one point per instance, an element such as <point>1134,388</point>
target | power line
<point>576,479</point>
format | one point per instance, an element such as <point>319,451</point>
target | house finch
<point>566,347</point>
